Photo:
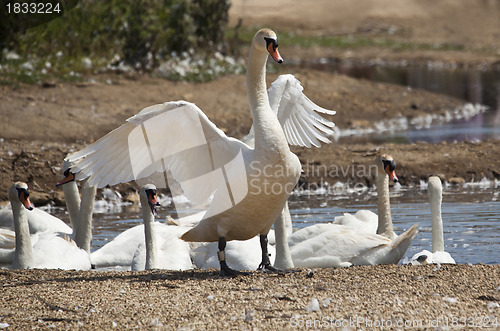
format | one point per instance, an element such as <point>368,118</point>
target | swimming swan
<point>206,162</point>
<point>50,250</point>
<point>438,254</point>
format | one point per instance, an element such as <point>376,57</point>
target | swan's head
<point>435,185</point>
<point>19,193</point>
<point>265,40</point>
<point>421,259</point>
<point>389,167</point>
<point>149,193</point>
<point>68,176</point>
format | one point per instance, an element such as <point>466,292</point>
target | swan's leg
<point>225,271</point>
<point>265,265</point>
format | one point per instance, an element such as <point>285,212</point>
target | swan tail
<point>406,237</point>
<point>402,242</point>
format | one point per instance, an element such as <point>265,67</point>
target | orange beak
<point>392,174</point>
<point>25,200</point>
<point>68,178</point>
<point>275,54</point>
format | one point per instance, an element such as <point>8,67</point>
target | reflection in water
<point>472,85</point>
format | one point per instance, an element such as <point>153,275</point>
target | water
<point>472,85</point>
<point>470,217</point>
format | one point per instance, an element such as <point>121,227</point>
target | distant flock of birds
<point>231,235</point>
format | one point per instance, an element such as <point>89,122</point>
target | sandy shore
<point>394,297</point>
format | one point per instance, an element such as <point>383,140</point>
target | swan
<point>162,250</point>
<point>80,210</point>
<point>49,250</point>
<point>438,254</point>
<point>41,221</point>
<point>366,220</point>
<point>334,245</point>
<point>249,186</point>
<point>38,220</point>
<point>125,246</point>
<point>353,240</point>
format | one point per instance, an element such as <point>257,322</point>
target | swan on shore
<point>366,220</point>
<point>49,251</point>
<point>80,210</point>
<point>354,241</point>
<point>40,221</point>
<point>205,162</point>
<point>162,248</point>
<point>438,254</point>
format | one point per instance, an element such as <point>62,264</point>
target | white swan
<point>362,221</point>
<point>38,220</point>
<point>50,250</point>
<point>354,241</point>
<point>165,251</point>
<point>333,245</point>
<point>80,210</point>
<point>249,185</point>
<point>129,247</point>
<point>41,221</point>
<point>366,220</point>
<point>438,255</point>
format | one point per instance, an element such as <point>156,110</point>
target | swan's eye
<point>271,42</point>
<point>21,191</point>
<point>389,164</point>
<point>66,172</point>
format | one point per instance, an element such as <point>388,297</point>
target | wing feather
<point>174,136</point>
<point>298,115</point>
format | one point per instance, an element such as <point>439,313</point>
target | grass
<point>352,41</point>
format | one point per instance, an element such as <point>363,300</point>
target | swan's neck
<point>23,256</point>
<point>437,222</point>
<point>149,235</point>
<point>268,131</point>
<point>72,199</point>
<point>83,235</point>
<point>384,207</point>
<point>283,257</point>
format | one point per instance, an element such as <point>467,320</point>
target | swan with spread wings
<point>249,183</point>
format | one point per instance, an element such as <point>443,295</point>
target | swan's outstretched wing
<point>299,117</point>
<point>175,137</point>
